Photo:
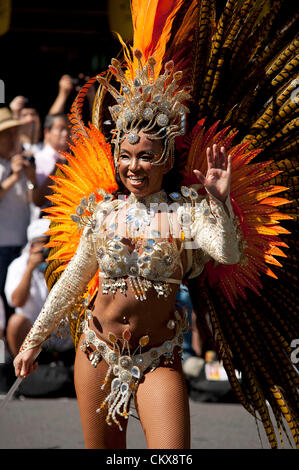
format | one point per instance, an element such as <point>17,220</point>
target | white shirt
<point>45,161</point>
<point>38,287</point>
<point>14,209</point>
<point>37,295</point>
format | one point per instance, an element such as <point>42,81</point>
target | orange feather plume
<point>89,168</point>
<point>253,202</point>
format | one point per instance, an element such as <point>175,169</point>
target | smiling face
<point>136,169</point>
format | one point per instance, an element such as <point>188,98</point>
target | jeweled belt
<point>128,368</point>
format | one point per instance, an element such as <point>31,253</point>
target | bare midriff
<point>117,313</point>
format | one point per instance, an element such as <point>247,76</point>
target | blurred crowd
<point>30,148</point>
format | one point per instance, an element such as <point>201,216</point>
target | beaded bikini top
<point>139,241</point>
<point>132,244</point>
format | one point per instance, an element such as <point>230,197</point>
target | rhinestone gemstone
<point>185,191</point>
<point>171,324</point>
<point>90,336</point>
<point>193,193</point>
<point>75,218</point>
<point>125,362</point>
<point>124,388</point>
<point>133,138</point>
<point>126,335</point>
<point>101,348</point>
<point>144,340</point>
<point>148,114</point>
<point>79,210</point>
<point>135,372</point>
<point>139,359</point>
<point>125,376</point>
<point>129,115</point>
<point>133,270</point>
<point>115,384</point>
<point>112,338</point>
<point>162,120</point>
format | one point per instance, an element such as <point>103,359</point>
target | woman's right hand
<point>24,362</point>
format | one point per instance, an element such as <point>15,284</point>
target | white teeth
<point>135,179</point>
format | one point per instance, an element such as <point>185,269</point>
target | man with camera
<point>16,172</point>
<point>56,134</point>
<point>26,290</point>
<point>25,286</point>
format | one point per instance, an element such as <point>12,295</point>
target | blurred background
<point>41,42</point>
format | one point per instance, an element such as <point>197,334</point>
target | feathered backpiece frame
<point>242,67</point>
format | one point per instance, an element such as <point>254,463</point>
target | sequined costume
<point>202,223</point>
<point>212,231</point>
<point>238,68</point>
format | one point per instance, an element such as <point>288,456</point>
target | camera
<point>43,265</point>
<point>46,252</point>
<point>30,159</point>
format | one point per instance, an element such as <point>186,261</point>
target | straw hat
<point>7,121</point>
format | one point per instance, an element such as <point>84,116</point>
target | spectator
<point>26,288</point>
<point>65,87</point>
<point>15,174</point>
<point>56,135</point>
<point>183,302</point>
<point>16,105</point>
<point>27,112</point>
<point>192,345</point>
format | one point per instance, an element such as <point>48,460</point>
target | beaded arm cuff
<point>65,293</point>
<point>219,237</point>
<point>210,232</point>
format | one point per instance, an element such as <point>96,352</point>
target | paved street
<point>55,424</point>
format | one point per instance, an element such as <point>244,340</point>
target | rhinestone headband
<point>148,103</point>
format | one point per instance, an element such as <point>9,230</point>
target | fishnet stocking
<point>88,382</point>
<point>161,401</point>
<point>163,407</point>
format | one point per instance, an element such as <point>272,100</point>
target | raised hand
<point>218,176</point>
